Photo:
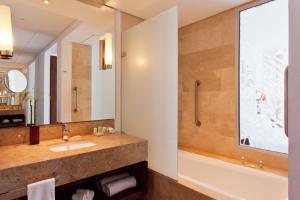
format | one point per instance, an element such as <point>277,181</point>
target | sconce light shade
<point>6,38</point>
<point>108,51</point>
<point>101,54</point>
<point>105,52</point>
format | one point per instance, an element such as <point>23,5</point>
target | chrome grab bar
<point>197,85</point>
<point>76,99</point>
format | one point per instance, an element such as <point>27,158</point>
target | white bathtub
<point>225,181</point>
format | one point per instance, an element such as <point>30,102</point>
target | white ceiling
<point>103,16</point>
<point>189,10</point>
<point>33,30</point>
<point>86,33</point>
<point>36,25</point>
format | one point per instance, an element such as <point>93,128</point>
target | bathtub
<point>225,181</point>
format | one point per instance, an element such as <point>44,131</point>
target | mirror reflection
<point>60,72</point>
<point>15,81</point>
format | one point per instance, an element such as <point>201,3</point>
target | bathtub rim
<point>228,164</point>
<point>216,192</point>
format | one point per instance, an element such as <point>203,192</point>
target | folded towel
<point>83,195</point>
<point>44,190</point>
<point>120,185</point>
<point>109,179</point>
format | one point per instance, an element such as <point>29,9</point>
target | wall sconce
<point>105,52</point>
<point>6,38</point>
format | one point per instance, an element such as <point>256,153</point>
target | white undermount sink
<point>71,146</point>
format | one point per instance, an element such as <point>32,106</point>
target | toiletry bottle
<point>95,131</point>
<point>104,130</point>
<point>100,130</point>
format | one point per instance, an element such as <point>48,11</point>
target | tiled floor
<point>161,187</point>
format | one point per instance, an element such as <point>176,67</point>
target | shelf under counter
<point>138,170</point>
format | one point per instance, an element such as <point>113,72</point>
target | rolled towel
<point>83,195</point>
<point>41,190</point>
<point>120,185</point>
<point>109,179</point>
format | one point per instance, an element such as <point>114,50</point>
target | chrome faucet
<point>66,131</point>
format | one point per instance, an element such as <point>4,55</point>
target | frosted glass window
<point>262,63</point>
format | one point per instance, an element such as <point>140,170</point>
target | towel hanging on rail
<point>42,190</point>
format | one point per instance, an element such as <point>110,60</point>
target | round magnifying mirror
<point>15,81</point>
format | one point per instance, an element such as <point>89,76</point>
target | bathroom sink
<point>71,146</point>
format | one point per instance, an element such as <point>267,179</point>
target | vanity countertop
<point>18,155</point>
<point>24,164</point>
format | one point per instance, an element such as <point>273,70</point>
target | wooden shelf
<point>10,116</point>
<point>138,170</point>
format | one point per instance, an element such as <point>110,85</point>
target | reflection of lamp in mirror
<point>105,52</point>
<point>6,38</point>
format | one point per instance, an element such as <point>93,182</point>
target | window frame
<point>239,11</point>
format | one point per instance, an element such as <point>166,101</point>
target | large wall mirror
<point>62,69</point>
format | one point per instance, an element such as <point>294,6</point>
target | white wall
<point>150,88</point>
<point>43,85</point>
<point>294,101</point>
<point>103,88</point>
<point>46,78</point>
<point>31,92</point>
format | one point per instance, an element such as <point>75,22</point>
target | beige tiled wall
<point>20,135</point>
<point>81,78</point>
<point>208,52</point>
<point>11,136</point>
<point>129,21</point>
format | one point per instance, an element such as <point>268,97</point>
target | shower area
<point>232,79</point>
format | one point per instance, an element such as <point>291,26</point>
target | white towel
<point>109,179</point>
<point>83,195</point>
<point>120,185</point>
<point>42,190</point>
